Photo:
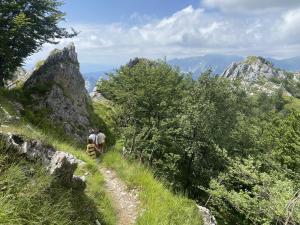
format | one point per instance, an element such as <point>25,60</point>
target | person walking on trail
<point>100,141</point>
<point>92,136</point>
<point>91,148</point>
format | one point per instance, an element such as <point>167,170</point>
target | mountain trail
<point>124,200</point>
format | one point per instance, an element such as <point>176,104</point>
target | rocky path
<point>125,201</point>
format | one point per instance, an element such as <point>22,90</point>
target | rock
<point>79,183</point>
<point>59,87</point>
<point>96,95</point>
<point>208,218</point>
<point>252,69</point>
<point>17,79</point>
<point>259,75</point>
<point>61,165</point>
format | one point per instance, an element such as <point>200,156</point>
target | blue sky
<point>115,11</point>
<point>113,31</point>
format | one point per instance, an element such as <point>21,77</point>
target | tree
<point>25,25</point>
<point>149,94</point>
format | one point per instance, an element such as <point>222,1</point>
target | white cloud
<point>289,28</point>
<point>251,5</point>
<point>185,33</point>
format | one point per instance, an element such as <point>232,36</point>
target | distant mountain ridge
<point>218,63</point>
<point>257,74</point>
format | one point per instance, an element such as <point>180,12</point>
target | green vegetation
<point>175,210</point>
<point>28,196</point>
<point>253,59</point>
<point>40,203</point>
<point>160,205</point>
<point>23,31</point>
<point>210,140</point>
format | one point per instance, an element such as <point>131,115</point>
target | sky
<point>113,31</point>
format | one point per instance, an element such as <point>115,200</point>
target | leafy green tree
<point>25,25</point>
<point>210,115</point>
<point>248,194</point>
<point>149,94</point>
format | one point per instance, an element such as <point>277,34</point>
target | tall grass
<point>159,205</point>
<point>94,195</point>
<point>28,196</point>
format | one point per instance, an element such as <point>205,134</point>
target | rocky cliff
<point>58,87</point>
<point>259,75</point>
<point>252,69</point>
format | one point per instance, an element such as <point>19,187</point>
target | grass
<point>95,183</point>
<point>31,201</point>
<point>160,206</point>
<point>28,196</point>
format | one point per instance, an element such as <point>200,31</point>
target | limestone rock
<point>252,69</point>
<point>79,183</point>
<point>259,75</point>
<point>61,165</point>
<point>96,95</point>
<point>58,86</point>
<point>208,218</point>
<point>18,78</point>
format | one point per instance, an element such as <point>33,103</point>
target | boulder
<point>96,95</point>
<point>58,87</point>
<point>60,165</point>
<point>208,218</point>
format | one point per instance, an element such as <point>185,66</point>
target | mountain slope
<point>218,63</point>
<point>197,65</point>
<point>259,74</point>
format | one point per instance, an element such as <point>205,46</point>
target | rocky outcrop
<point>58,86</point>
<point>208,218</point>
<point>96,95</point>
<point>259,75</point>
<point>252,69</point>
<point>18,78</point>
<point>59,164</point>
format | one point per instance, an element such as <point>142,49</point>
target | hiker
<point>92,136</point>
<point>100,141</point>
<point>91,148</point>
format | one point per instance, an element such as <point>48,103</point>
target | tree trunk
<point>1,72</point>
<point>1,79</point>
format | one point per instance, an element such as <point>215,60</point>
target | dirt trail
<point>125,201</point>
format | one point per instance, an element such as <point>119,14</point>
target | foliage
<point>24,27</point>
<point>211,140</point>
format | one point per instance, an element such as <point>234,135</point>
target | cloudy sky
<point>112,32</point>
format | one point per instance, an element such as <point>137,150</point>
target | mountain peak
<point>252,68</point>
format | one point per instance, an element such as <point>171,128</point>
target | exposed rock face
<point>96,95</point>
<point>61,165</point>
<point>259,75</point>
<point>18,78</point>
<point>63,92</point>
<point>208,218</point>
<point>252,69</point>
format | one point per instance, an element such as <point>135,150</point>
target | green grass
<point>28,196</point>
<point>161,207</point>
<point>37,204</point>
<point>95,183</point>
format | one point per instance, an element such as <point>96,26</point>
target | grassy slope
<point>161,207</point>
<point>65,208</point>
